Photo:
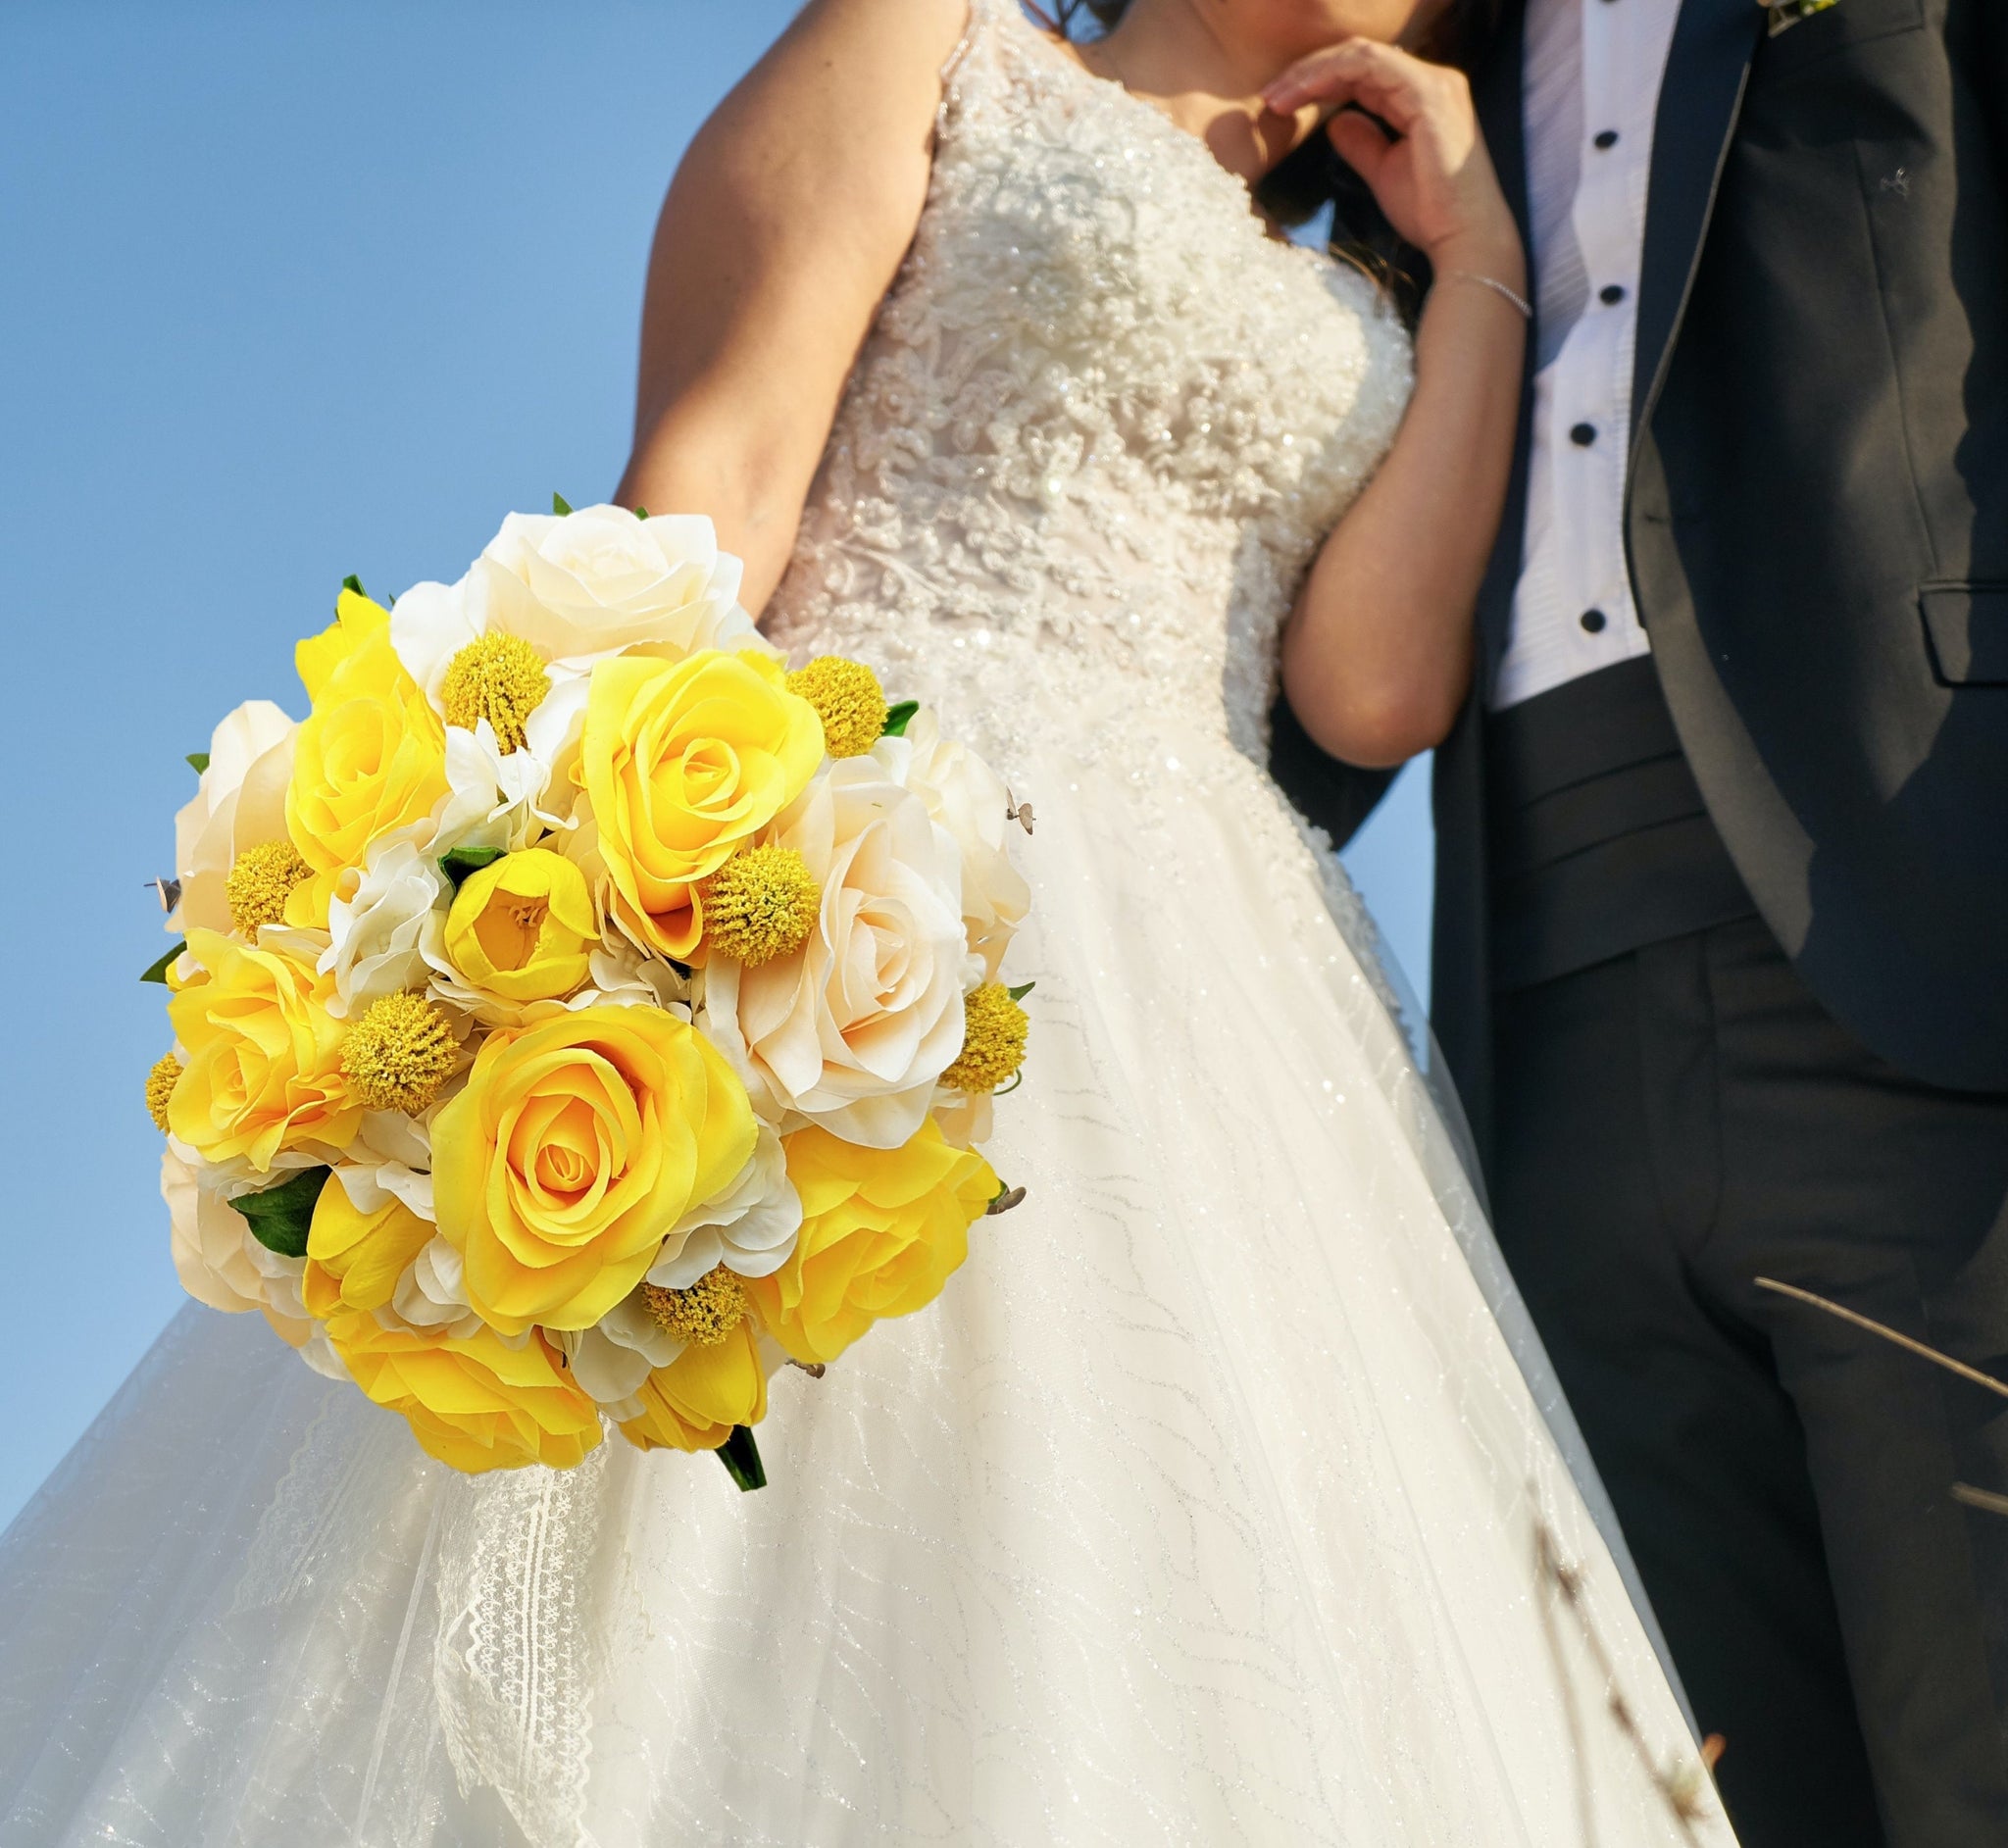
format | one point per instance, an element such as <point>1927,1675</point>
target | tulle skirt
<point>1217,1501</point>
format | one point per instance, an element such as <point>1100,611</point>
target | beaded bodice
<point>1098,429</point>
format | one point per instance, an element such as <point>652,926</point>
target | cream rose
<point>601,581</point>
<point>967,798</point>
<point>240,803</point>
<point>852,1029</point>
<point>222,1264</point>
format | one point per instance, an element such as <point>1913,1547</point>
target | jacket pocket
<point>1965,629</point>
<point>1851,23</point>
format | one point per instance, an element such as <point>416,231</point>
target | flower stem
<point>742,1457</point>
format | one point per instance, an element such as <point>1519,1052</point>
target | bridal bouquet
<point>577,1015</point>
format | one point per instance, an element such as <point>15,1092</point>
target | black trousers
<point>1674,1124</point>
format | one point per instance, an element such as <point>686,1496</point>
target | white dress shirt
<point>1591,83</point>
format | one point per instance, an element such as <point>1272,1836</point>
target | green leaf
<point>159,970</point>
<point>898,717</point>
<point>559,504</point>
<point>463,863</point>
<point>641,513</point>
<point>281,1216</point>
<point>1022,989</point>
<point>198,761</point>
<point>742,1457</point>
<point>354,583</point>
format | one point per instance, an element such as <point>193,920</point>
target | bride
<point>1224,1497</point>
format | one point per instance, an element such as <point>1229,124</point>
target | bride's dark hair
<point>1313,176</point>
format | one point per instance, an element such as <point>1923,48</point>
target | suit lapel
<point>1497,92</point>
<point>1707,68</point>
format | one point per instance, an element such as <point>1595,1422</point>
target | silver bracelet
<point>1497,287</point>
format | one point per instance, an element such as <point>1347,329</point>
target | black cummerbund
<point>1600,841</point>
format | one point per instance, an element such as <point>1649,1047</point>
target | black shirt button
<point>1583,436</point>
<point>1611,294</point>
<point>1608,139</point>
<point>1594,622</point>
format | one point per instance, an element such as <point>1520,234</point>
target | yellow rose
<point>523,928</point>
<point>883,1230</point>
<point>694,1403</point>
<point>475,1404</point>
<point>353,1257</point>
<point>684,764</point>
<point>575,1149</point>
<point>369,758</point>
<point>262,1056</point>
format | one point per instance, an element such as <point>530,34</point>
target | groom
<point>1722,894</point>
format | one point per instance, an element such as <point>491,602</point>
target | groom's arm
<point>1337,797</point>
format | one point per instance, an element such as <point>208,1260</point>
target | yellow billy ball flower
<point>577,1144</point>
<point>476,1403</point>
<point>995,1032</point>
<point>760,904</point>
<point>371,758</point>
<point>523,928</point>
<point>694,1403</point>
<point>160,1088</point>
<point>257,888</point>
<point>400,1054</point>
<point>847,698</point>
<point>702,1316</point>
<point>883,1230</point>
<point>497,678</point>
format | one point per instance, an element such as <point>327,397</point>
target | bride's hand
<point>1433,177</point>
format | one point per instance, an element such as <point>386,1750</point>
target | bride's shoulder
<point>869,58</point>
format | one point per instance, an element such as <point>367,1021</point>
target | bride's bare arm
<point>1377,658</point>
<point>781,232</point>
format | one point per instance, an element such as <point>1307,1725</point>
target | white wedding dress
<point>1206,1505</point>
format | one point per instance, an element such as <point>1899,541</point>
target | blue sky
<point>290,291</point>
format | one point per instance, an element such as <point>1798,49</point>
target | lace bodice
<point>1099,429</point>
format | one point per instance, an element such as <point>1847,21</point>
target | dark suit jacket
<point>1817,519</point>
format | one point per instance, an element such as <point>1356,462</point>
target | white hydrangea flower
<point>385,926</point>
<point>751,1229</point>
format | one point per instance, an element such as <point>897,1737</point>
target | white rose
<point>601,581</point>
<point>967,797</point>
<point>578,587</point>
<point>750,1230</point>
<point>852,1029</point>
<point>385,926</point>
<point>240,803</point>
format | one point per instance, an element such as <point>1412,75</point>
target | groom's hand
<point>1432,176</point>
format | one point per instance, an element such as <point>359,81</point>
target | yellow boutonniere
<point>1786,14</point>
